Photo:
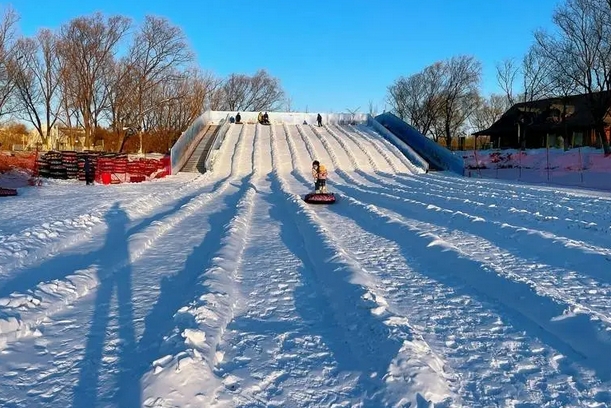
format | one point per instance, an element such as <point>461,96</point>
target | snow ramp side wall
<point>439,157</point>
<point>215,145</point>
<point>190,139</point>
<point>403,147</point>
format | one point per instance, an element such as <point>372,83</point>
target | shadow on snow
<point>517,301</point>
<point>135,358</point>
<point>61,266</point>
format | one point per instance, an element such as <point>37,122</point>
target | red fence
<point>10,161</point>
<point>108,168</point>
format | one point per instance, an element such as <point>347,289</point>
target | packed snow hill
<point>227,289</point>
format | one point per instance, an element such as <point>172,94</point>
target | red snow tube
<point>6,192</point>
<point>319,198</point>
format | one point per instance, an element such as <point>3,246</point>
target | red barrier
<point>71,165</point>
<point>106,178</point>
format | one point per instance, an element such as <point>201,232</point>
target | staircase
<point>196,163</point>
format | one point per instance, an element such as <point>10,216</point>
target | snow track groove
<point>136,357</point>
<point>385,147</point>
<point>397,165</point>
<point>270,344</point>
<point>597,256</point>
<point>551,226</point>
<point>557,313</point>
<point>204,321</point>
<point>489,352</point>
<point>537,240</point>
<point>542,209</point>
<point>373,176</point>
<point>379,164</point>
<point>596,353</point>
<point>342,276</point>
<point>585,201</point>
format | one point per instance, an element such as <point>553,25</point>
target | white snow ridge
<point>228,290</point>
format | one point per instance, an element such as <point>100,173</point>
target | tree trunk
<point>125,137</point>
<point>448,135</point>
<point>602,138</point>
<point>565,128</point>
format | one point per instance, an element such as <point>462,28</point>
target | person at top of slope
<point>319,172</point>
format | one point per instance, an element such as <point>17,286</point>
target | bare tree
<point>184,101</point>
<point>289,104</point>
<point>527,82</point>
<point>257,93</point>
<point>488,111</point>
<point>438,100</point>
<point>7,59</point>
<point>580,51</point>
<point>158,50</point>
<point>459,96</point>
<point>373,109</point>
<point>37,82</point>
<point>536,76</point>
<point>506,74</point>
<point>415,98</point>
<point>88,46</point>
<point>121,109</point>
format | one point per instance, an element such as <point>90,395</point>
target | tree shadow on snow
<point>362,344</point>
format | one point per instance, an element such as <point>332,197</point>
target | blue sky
<point>330,55</point>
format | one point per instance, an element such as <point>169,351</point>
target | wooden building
<point>538,124</point>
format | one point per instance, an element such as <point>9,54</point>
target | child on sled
<point>319,172</point>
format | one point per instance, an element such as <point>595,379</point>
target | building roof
<point>545,114</point>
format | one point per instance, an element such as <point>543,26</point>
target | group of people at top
<point>263,119</point>
<point>319,171</point>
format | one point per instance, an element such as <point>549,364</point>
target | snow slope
<point>227,290</point>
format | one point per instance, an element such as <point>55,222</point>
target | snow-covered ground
<point>227,290</point>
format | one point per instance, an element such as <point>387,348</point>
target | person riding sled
<point>319,172</point>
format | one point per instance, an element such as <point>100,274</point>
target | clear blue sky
<point>330,55</point>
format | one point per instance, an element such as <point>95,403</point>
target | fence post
<point>479,171</point>
<point>547,158</point>
<point>520,163</point>
<point>580,165</point>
